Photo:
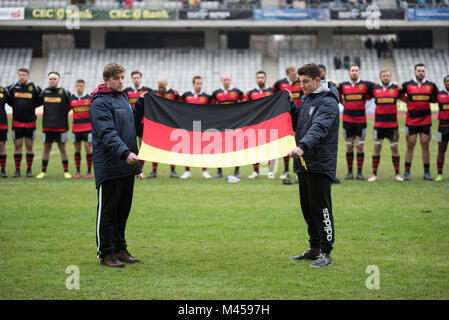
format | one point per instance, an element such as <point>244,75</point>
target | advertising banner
<point>291,14</point>
<point>204,14</point>
<point>428,14</point>
<point>98,14</point>
<point>12,13</point>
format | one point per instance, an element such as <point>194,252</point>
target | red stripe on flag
<point>192,142</point>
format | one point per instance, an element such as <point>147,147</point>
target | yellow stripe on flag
<point>269,151</point>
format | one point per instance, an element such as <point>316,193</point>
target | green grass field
<point>211,240</point>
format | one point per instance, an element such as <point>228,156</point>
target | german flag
<point>206,135</point>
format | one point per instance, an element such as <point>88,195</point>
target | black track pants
<point>114,203</point>
<point>316,205</point>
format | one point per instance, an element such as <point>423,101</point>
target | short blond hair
<point>290,68</point>
<point>384,70</point>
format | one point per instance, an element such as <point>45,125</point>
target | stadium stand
<point>436,61</point>
<point>369,62</point>
<point>14,3</point>
<point>179,66</point>
<point>172,4</point>
<point>10,61</point>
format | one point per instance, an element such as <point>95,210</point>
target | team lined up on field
<point>24,96</point>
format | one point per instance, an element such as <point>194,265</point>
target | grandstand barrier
<point>61,13</point>
<point>215,14</point>
<point>358,14</point>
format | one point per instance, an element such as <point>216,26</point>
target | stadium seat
<point>178,65</point>
<point>436,61</point>
<point>10,61</point>
<point>369,62</point>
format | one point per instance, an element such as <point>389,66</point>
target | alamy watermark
<point>72,20</point>
<point>373,280</point>
<point>73,280</point>
<point>229,143</point>
<point>373,14</point>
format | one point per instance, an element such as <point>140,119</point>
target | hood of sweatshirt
<point>327,87</point>
<point>102,88</point>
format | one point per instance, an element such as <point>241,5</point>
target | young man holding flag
<point>116,164</point>
<point>315,161</point>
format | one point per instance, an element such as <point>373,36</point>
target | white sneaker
<point>285,175</point>
<point>398,178</point>
<point>372,178</point>
<point>271,175</point>
<point>206,175</point>
<point>186,175</point>
<point>253,175</point>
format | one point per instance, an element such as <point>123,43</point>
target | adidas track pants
<point>114,203</point>
<point>316,206</point>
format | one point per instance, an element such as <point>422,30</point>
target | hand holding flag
<point>132,159</point>
<point>297,153</point>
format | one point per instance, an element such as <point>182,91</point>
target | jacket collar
<point>417,82</point>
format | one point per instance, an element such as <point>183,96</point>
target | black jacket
<point>317,131</point>
<point>113,135</point>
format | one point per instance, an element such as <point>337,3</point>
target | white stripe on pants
<point>100,191</point>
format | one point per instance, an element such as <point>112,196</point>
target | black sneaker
<point>16,174</point>
<point>350,176</point>
<point>360,176</point>
<point>323,260</point>
<point>152,175</point>
<point>3,174</point>
<point>307,255</point>
<point>173,175</point>
<point>29,173</point>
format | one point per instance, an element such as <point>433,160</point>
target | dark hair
<point>80,81</point>
<point>261,72</point>
<point>353,65</point>
<point>136,72</point>
<point>23,70</point>
<point>322,67</point>
<point>420,65</point>
<point>56,73</point>
<point>311,70</point>
<point>112,69</point>
<point>195,78</point>
<point>444,79</point>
